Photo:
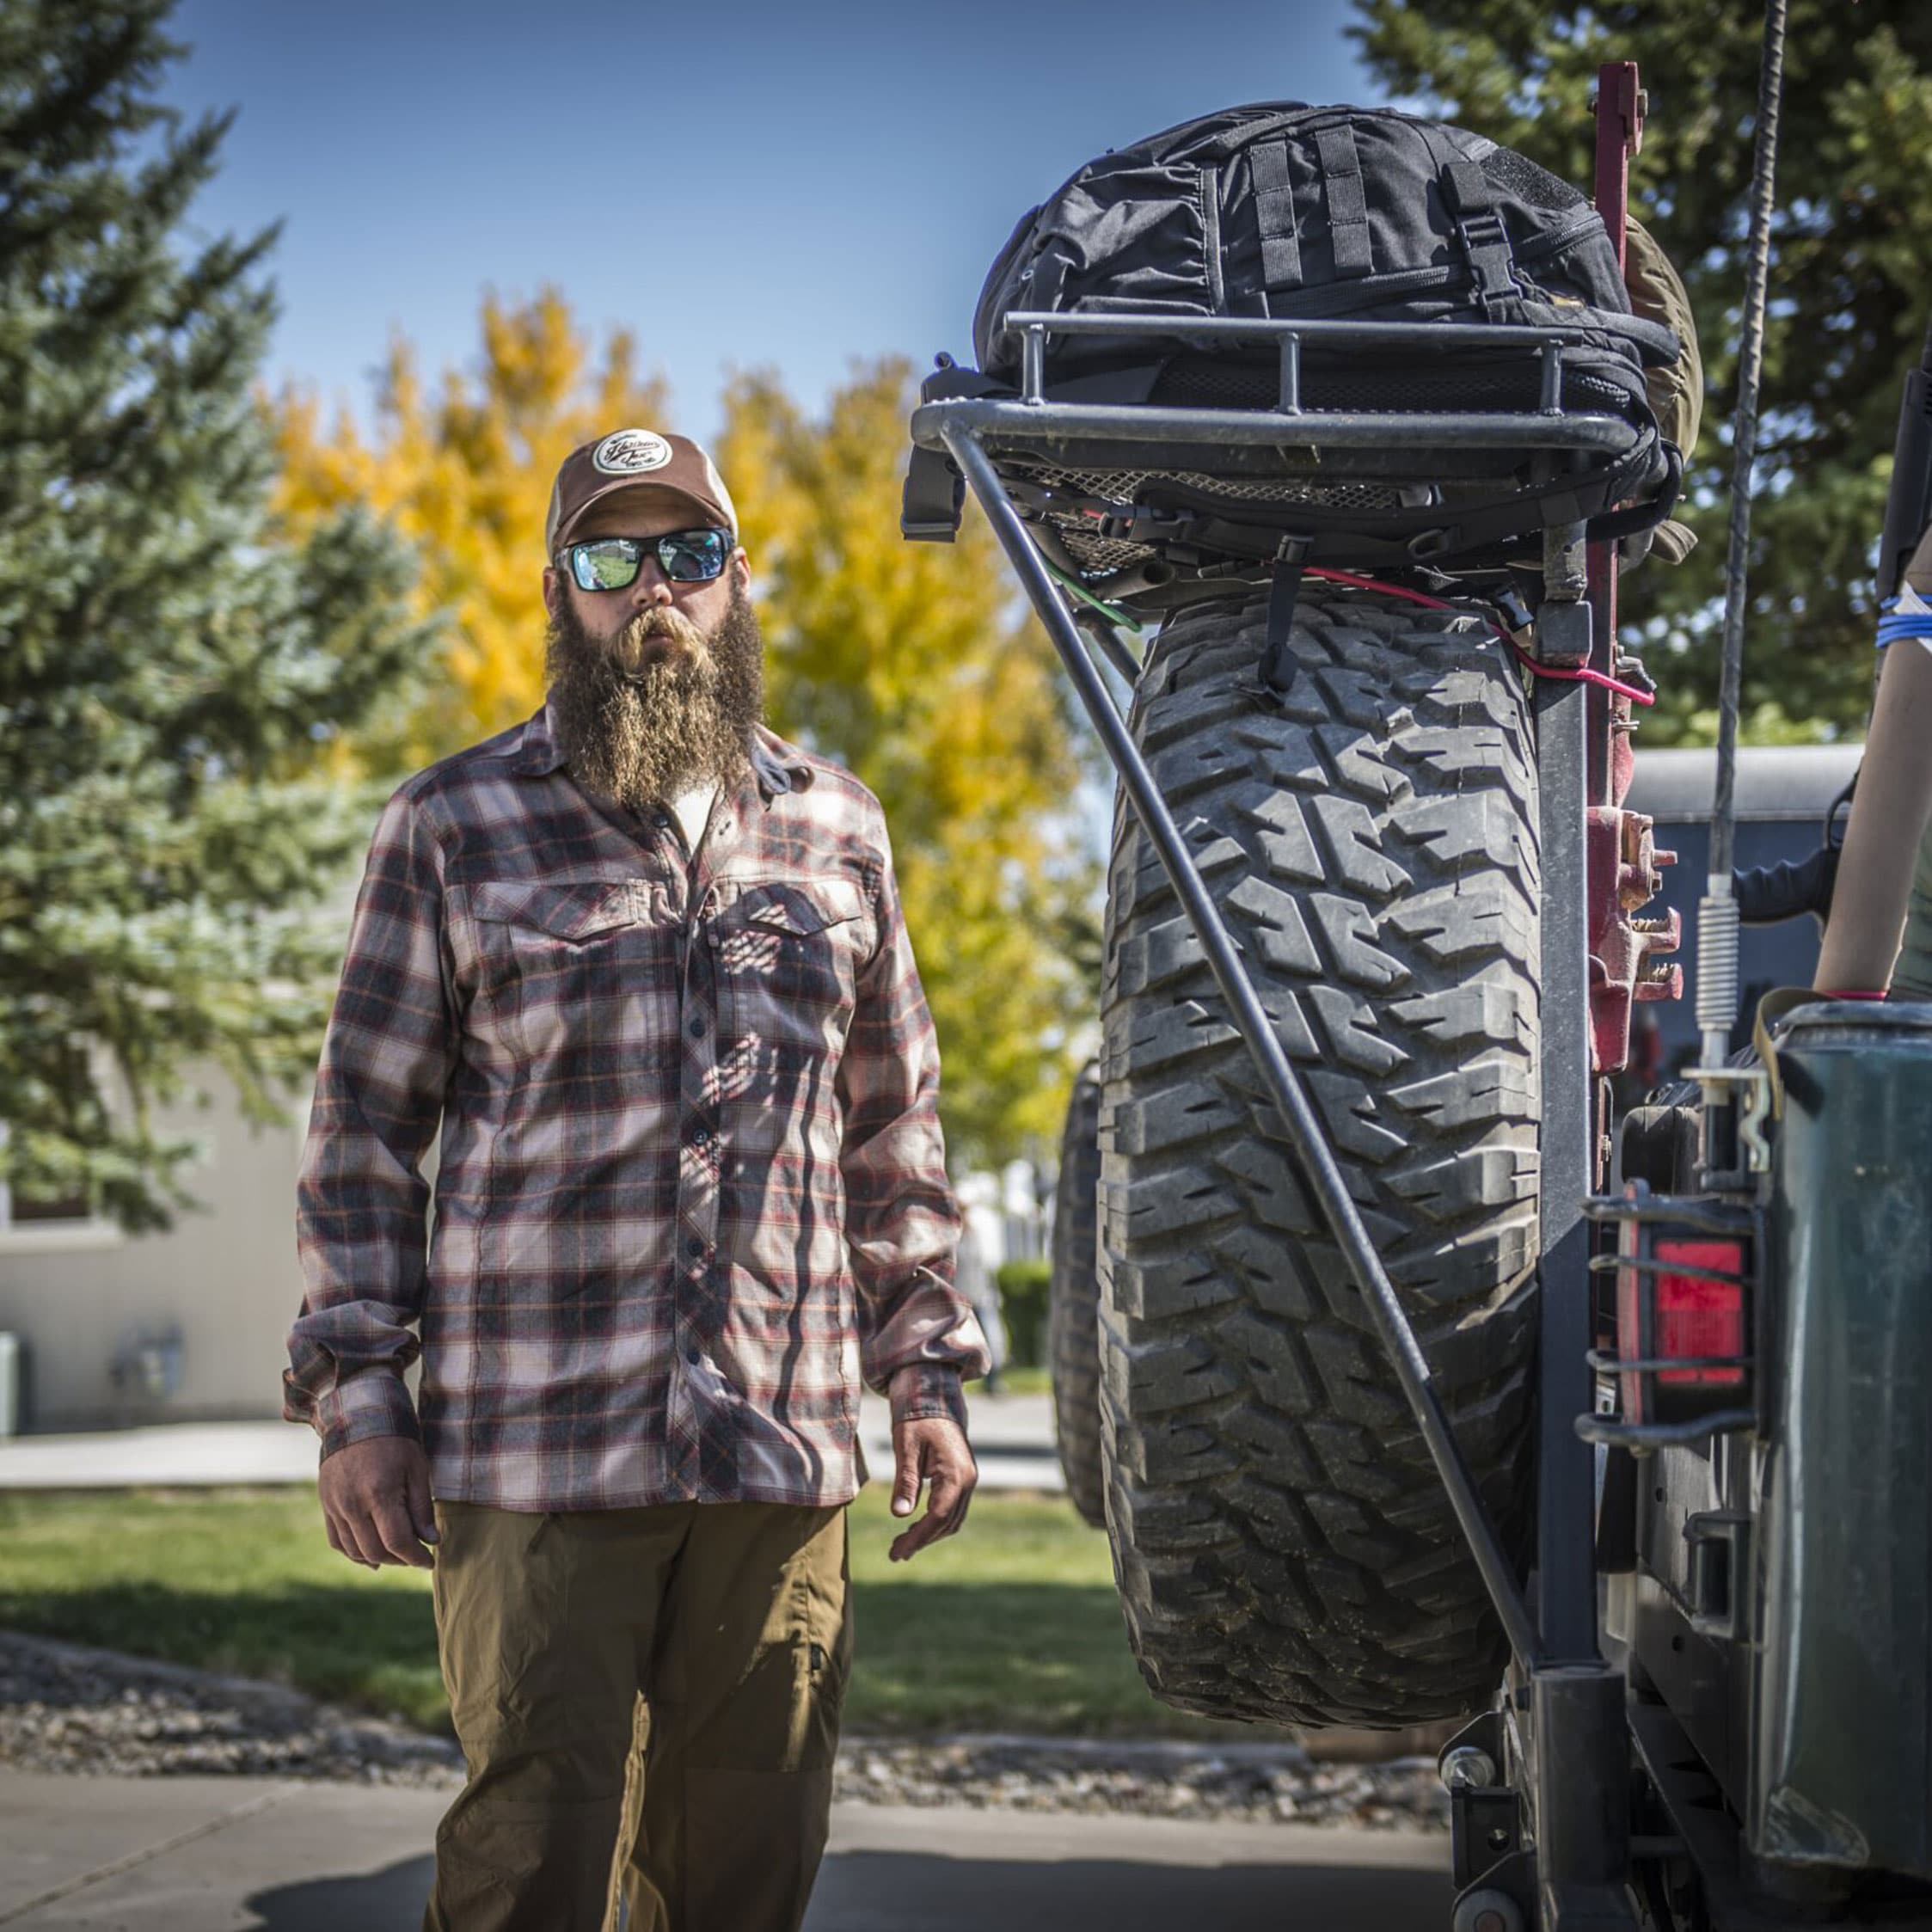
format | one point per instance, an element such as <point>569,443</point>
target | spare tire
<point>1284,1549</point>
<point>1073,1348</point>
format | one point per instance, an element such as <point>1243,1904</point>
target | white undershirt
<point>693,808</point>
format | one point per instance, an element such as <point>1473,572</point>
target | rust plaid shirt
<point>691,1185</point>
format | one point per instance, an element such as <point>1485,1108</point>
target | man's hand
<point>930,1448</point>
<point>375,1499</point>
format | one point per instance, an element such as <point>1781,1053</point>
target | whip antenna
<point>1717,912</point>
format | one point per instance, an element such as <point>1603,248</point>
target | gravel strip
<point>1262,1784</point>
<point>66,1708</point>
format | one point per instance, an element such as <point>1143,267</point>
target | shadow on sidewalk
<point>386,1901</point>
<point>888,1892</point>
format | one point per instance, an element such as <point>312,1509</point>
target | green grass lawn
<point>1012,1625</point>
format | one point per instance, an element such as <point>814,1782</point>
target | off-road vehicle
<point>1430,1385</point>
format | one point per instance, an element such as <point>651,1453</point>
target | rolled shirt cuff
<point>928,1391</point>
<point>372,1403</point>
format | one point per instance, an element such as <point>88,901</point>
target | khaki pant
<point>648,1700</point>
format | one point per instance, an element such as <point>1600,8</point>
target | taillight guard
<point>1683,1363</point>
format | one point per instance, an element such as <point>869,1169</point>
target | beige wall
<point>226,1280</point>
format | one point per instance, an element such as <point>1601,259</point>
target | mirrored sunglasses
<point>685,556</point>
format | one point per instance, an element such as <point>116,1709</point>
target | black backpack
<point>1283,210</point>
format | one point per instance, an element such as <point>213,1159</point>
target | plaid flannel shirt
<point>690,1186</point>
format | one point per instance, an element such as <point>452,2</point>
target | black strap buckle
<point>1491,260</point>
<point>1472,206</point>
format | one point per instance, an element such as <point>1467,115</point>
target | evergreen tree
<point>1849,297</point>
<point>177,673</point>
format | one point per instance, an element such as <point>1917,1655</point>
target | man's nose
<point>651,585</point>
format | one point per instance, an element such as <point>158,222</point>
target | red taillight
<point>1670,1311</point>
<point>1696,1317</point>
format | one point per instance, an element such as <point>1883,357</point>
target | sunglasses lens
<point>692,556</point>
<point>606,566</point>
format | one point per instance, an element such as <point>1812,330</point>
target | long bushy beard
<point>638,725</point>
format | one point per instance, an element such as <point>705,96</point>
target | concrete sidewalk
<point>1013,1436</point>
<point>204,1855</point>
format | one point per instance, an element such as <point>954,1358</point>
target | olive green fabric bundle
<point>1676,389</point>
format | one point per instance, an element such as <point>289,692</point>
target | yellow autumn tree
<point>462,468</point>
<point>911,663</point>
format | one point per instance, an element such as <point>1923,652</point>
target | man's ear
<point>553,590</point>
<point>741,570</point>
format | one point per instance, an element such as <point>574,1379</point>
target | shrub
<point>1022,1287</point>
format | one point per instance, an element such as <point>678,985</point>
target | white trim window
<point>37,1226</point>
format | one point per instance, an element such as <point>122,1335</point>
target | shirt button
<point>693,1248</point>
<point>694,1356</point>
<point>697,1026</point>
<point>699,1136</point>
<point>661,820</point>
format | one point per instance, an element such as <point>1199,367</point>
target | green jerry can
<point>1841,1771</point>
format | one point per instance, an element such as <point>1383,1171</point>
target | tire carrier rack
<point>1541,1784</point>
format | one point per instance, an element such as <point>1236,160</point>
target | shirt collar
<point>536,754</point>
<point>779,767</point>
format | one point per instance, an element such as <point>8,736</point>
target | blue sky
<point>753,186</point>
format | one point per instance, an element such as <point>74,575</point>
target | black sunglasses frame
<point>643,546</point>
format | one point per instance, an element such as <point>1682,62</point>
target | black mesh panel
<point>1096,554</point>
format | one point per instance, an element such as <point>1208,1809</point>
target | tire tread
<point>1283,1547</point>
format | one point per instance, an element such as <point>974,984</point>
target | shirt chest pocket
<point>595,961</point>
<point>789,958</point>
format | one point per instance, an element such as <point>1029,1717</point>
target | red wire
<point>1579,676</point>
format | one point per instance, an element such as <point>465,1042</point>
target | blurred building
<point>186,1326</point>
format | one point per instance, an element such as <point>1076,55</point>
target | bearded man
<point>643,963</point>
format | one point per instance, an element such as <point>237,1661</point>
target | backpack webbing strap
<point>1472,204</point>
<point>1274,214</point>
<point>1284,589</point>
<point>1348,203</point>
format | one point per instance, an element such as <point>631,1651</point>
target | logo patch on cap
<point>630,452</point>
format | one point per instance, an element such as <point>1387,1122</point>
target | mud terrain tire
<point>1073,1348</point>
<point>1283,1547</point>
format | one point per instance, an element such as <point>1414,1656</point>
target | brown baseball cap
<point>642,463</point>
